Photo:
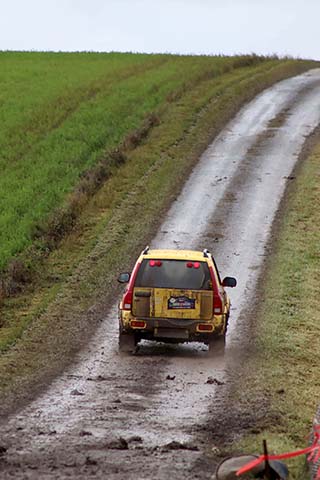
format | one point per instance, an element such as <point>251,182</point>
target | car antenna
<point>146,250</point>
<point>205,253</point>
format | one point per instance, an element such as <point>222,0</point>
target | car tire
<point>128,342</point>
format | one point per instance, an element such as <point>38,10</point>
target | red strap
<point>313,450</point>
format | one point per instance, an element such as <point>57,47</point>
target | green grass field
<point>60,113</point>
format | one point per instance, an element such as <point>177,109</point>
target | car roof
<point>175,255</point>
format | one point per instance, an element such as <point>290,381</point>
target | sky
<point>283,27</point>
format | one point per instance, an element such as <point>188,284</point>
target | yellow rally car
<point>174,296</point>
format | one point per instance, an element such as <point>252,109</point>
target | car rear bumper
<point>174,330</point>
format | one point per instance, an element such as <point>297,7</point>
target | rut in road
<point>114,416</point>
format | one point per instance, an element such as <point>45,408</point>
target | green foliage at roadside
<point>61,112</point>
<point>285,369</point>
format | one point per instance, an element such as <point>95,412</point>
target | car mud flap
<point>128,343</point>
<point>217,345</point>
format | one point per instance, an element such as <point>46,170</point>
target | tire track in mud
<point>115,416</point>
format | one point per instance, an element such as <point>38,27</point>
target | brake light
<point>217,303</point>
<point>204,327</point>
<point>127,300</point>
<point>155,263</point>
<point>138,324</point>
<point>217,300</point>
<point>193,265</point>
<point>127,297</point>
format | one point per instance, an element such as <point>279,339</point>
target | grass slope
<point>204,93</point>
<point>284,371</point>
<point>60,113</point>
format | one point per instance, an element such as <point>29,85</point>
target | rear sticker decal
<point>181,302</point>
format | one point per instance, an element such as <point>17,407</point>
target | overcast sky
<point>285,27</point>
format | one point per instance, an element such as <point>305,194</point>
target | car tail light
<point>128,295</point>
<point>217,300</point>
<point>127,300</point>
<point>204,327</point>
<point>217,304</point>
<point>138,324</point>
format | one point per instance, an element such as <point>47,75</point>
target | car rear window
<point>181,274</point>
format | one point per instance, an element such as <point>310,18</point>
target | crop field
<point>61,113</point>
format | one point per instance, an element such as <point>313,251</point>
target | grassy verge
<point>42,327</point>
<point>283,372</point>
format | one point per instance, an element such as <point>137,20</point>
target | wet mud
<point>167,411</point>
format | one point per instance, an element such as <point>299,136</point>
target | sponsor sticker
<point>183,302</point>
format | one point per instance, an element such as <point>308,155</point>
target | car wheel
<point>128,342</point>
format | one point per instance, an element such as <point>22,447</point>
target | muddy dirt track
<point>156,414</point>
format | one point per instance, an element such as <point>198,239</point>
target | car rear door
<point>173,289</point>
